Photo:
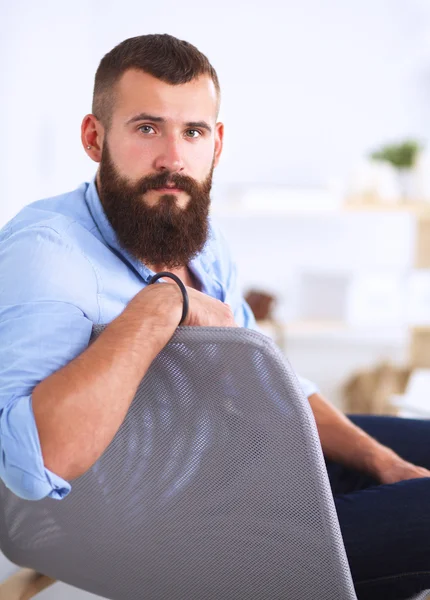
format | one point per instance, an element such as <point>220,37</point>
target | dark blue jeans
<point>386,528</point>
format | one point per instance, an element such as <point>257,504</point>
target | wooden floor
<point>23,585</point>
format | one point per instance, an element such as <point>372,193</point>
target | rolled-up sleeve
<point>43,326</point>
<point>21,467</point>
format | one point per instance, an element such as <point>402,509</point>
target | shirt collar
<point>203,260</point>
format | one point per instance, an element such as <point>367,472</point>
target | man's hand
<point>162,304</point>
<point>345,443</point>
<point>205,311</point>
<point>388,467</point>
<point>401,470</point>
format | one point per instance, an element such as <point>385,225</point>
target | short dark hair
<point>160,55</point>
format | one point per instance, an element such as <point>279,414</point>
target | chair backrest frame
<point>214,486</point>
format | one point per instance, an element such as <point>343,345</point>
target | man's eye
<point>193,133</point>
<point>145,128</point>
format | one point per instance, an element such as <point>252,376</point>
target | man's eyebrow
<point>200,124</point>
<point>148,117</point>
<point>145,117</point>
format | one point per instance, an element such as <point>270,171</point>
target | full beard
<point>164,234</point>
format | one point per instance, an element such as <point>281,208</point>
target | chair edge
<point>24,585</point>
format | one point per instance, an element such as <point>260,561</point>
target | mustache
<point>163,180</point>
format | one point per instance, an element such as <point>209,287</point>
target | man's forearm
<point>79,408</point>
<point>345,443</point>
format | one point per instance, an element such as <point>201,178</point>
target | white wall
<point>327,337</point>
<point>308,86</point>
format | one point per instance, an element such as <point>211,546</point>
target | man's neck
<point>184,274</point>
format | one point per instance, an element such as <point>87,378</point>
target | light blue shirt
<point>61,271</point>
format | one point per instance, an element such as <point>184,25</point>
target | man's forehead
<point>138,92</point>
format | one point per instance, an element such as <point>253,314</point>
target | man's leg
<point>386,528</point>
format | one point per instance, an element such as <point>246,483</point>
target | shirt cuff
<point>307,386</point>
<point>21,462</point>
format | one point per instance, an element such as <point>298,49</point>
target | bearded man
<point>87,257</point>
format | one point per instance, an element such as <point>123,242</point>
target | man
<point>87,256</point>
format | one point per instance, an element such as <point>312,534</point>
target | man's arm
<point>60,400</point>
<point>345,443</point>
<point>79,408</point>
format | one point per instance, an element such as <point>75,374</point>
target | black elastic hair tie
<point>182,287</point>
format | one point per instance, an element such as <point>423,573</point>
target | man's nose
<point>170,158</point>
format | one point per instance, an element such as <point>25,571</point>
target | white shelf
<point>419,210</point>
<point>342,331</point>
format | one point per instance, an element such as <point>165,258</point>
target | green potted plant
<point>403,157</point>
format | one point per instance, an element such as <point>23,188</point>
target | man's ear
<point>92,137</point>
<point>219,140</point>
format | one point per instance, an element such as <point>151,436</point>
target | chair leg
<point>24,584</point>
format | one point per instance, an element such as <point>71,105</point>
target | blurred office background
<point>309,90</point>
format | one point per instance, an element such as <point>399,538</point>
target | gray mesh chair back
<point>213,488</point>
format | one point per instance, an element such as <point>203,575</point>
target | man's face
<point>156,166</point>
